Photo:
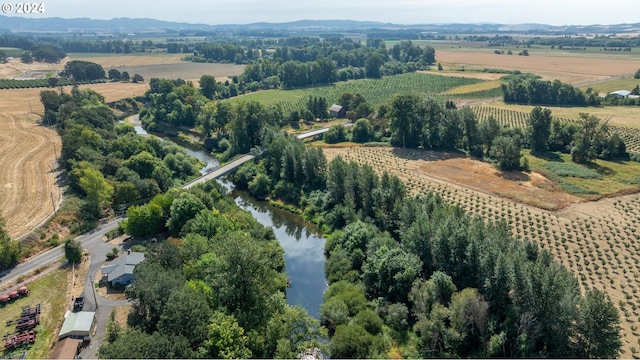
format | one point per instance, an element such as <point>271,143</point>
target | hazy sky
<point>555,12</point>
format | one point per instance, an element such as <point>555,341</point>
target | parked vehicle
<point>78,304</point>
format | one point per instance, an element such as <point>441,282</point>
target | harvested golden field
<point>16,68</point>
<point>112,60</point>
<point>29,188</point>
<point>21,101</point>
<point>571,69</point>
<point>597,240</point>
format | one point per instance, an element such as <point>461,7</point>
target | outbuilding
<point>337,111</point>
<point>620,93</point>
<point>78,325</point>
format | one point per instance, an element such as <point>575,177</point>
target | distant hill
<point>61,25</point>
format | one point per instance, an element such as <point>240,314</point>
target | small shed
<point>120,271</point>
<point>78,325</point>
<point>337,111</point>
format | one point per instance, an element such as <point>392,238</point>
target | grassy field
<point>613,85</point>
<point>50,292</point>
<point>375,91</point>
<point>592,181</point>
<point>11,51</point>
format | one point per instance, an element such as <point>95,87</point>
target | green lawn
<point>11,51</point>
<point>50,292</point>
<point>591,181</point>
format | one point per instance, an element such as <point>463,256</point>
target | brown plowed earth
<point>28,180</point>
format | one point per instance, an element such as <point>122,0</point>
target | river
<point>302,242</point>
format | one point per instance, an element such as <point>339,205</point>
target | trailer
<point>16,341</point>
<point>27,325</point>
<point>23,291</point>
<point>24,319</point>
<point>30,311</point>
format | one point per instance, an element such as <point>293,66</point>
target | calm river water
<point>302,242</point>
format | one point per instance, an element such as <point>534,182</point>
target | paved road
<point>54,255</point>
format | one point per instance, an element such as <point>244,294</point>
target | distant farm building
<point>78,325</point>
<point>120,271</point>
<point>337,111</point>
<point>620,93</point>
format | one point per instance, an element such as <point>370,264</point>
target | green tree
<point>372,65</point>
<point>588,139</point>
<point>98,190</point>
<point>9,249</point>
<point>144,220</point>
<point>73,251</point>
<point>598,327</point>
<point>183,208</point>
<point>351,341</point>
<point>260,186</point>
<point>637,74</point>
<point>208,86</point>
<point>335,134</point>
<point>361,131</point>
<point>114,75</point>
<point>186,313</point>
<point>489,130</point>
<point>292,331</point>
<point>137,78</point>
<point>539,128</point>
<point>226,338</point>
<point>81,70</point>
<point>26,57</point>
<point>506,150</point>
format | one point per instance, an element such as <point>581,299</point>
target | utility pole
<point>30,109</point>
<point>94,291</point>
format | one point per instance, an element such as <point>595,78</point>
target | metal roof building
<point>77,325</point>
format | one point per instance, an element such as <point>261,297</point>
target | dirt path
<point>28,180</point>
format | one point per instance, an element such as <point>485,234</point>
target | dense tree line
<point>214,291</point>
<point>80,70</point>
<point>108,164</point>
<point>538,92</point>
<point>400,265</point>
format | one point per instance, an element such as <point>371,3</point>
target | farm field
<point>160,65</point>
<point>614,85</point>
<point>376,92</point>
<point>597,240</point>
<point>29,181</point>
<point>623,119</point>
<point>50,292</point>
<point>572,69</point>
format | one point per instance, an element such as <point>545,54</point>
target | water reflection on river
<point>304,251</point>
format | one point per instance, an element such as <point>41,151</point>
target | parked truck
<point>78,304</point>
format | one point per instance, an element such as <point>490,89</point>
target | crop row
<point>38,83</point>
<point>518,119</point>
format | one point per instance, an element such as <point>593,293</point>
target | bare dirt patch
<point>529,188</point>
<point>29,180</point>
<point>15,68</point>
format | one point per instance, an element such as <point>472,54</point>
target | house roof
<point>77,324</point>
<point>621,93</point>
<point>123,265</point>
<point>66,348</point>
